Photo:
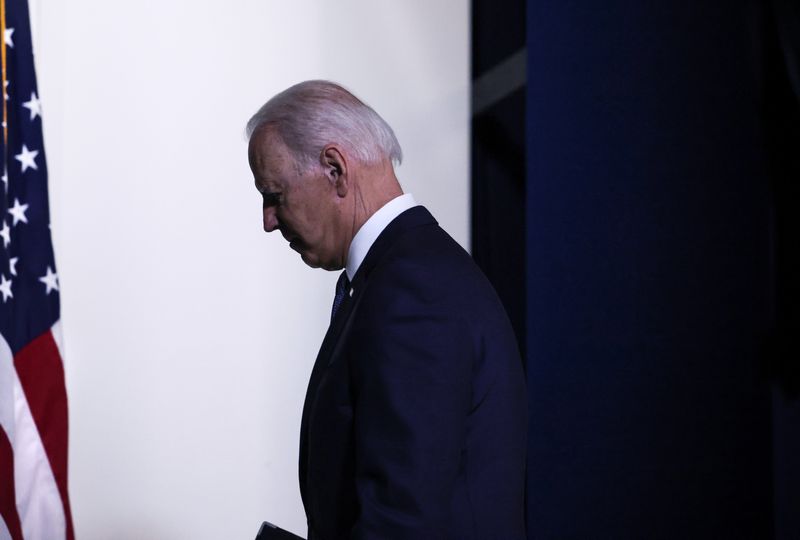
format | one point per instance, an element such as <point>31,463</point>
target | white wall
<point>190,334</point>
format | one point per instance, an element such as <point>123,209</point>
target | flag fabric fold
<point>34,501</point>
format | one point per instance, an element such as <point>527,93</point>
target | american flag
<point>33,401</point>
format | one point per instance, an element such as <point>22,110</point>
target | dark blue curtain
<point>660,283</point>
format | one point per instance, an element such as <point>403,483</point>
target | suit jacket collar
<point>410,219</point>
<point>372,228</point>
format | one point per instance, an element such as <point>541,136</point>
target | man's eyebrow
<point>271,198</point>
<point>261,186</point>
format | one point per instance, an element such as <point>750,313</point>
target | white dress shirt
<point>372,228</point>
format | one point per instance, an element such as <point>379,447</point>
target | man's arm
<point>412,375</point>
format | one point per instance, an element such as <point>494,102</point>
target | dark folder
<point>268,531</point>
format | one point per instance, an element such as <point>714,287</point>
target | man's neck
<point>372,189</point>
<point>372,228</point>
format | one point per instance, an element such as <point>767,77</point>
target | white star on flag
<point>27,158</point>
<point>5,288</point>
<point>12,265</point>
<point>5,177</point>
<point>18,211</point>
<point>7,37</point>
<point>5,234</point>
<point>50,279</point>
<point>34,105</point>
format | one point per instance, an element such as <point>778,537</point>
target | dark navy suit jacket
<point>414,425</point>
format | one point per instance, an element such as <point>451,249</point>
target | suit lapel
<point>409,219</point>
<point>323,358</point>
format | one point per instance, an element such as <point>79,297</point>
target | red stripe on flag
<point>8,499</point>
<point>41,374</point>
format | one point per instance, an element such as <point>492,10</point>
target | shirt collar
<point>372,228</point>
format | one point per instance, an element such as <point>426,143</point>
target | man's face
<point>302,205</point>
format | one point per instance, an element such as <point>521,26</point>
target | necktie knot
<point>342,288</point>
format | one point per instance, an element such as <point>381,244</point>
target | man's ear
<point>335,166</point>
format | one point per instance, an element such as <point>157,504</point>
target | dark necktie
<point>342,288</point>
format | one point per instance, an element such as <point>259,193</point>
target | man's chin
<point>315,262</point>
<point>311,264</point>
<point>309,259</point>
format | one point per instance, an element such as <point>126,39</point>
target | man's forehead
<point>273,169</point>
<point>261,145</point>
<point>267,149</point>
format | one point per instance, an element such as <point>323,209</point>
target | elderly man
<point>415,417</point>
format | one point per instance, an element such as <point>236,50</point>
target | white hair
<point>312,114</point>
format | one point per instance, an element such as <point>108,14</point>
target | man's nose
<point>270,219</point>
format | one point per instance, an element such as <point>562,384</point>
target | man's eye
<point>271,199</point>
